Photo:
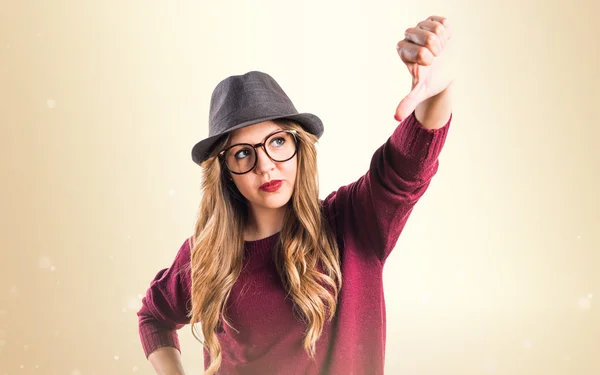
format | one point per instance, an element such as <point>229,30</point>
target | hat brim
<point>309,122</point>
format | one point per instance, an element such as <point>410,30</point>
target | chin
<point>275,202</point>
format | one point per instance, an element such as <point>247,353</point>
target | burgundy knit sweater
<point>367,217</point>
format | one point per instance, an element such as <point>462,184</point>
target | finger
<point>436,28</point>
<point>407,105</point>
<point>404,109</point>
<point>424,38</point>
<point>410,52</point>
<point>443,20</point>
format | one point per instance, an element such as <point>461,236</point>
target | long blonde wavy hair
<point>307,255</point>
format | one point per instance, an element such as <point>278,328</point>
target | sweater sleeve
<point>166,304</point>
<point>372,211</point>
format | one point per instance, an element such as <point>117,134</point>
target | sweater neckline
<point>262,244</point>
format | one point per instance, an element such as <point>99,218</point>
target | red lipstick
<point>271,186</point>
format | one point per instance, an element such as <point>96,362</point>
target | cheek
<point>243,184</point>
<point>289,170</point>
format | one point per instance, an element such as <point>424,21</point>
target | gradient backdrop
<point>101,102</point>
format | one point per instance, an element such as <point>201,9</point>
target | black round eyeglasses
<point>241,158</point>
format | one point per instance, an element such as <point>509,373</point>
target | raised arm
<point>373,211</point>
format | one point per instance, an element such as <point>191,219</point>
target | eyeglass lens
<point>280,146</point>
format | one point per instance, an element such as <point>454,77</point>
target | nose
<point>263,161</point>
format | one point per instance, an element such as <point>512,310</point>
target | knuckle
<point>405,56</point>
<point>400,46</point>
<point>423,55</point>
<point>431,40</point>
<point>432,43</point>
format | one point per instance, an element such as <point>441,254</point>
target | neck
<point>264,222</point>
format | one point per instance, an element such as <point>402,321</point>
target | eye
<point>242,154</point>
<point>278,141</point>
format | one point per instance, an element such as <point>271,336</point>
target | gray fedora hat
<point>247,99</point>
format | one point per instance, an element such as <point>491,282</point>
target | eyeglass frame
<point>261,144</point>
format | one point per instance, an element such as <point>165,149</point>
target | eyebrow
<point>231,143</point>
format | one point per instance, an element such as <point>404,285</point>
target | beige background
<point>101,102</point>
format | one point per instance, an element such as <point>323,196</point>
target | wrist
<point>434,112</point>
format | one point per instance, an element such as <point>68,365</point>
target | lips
<point>272,185</point>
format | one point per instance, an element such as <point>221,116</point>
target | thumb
<point>408,104</point>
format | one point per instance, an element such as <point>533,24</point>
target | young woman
<point>279,281</point>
